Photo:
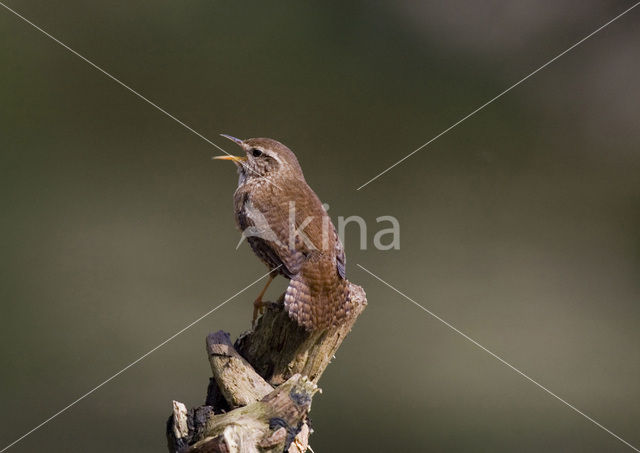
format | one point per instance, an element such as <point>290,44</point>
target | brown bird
<point>288,228</point>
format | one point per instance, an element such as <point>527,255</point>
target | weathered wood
<point>195,420</point>
<point>180,424</point>
<point>210,445</point>
<point>244,412</point>
<point>258,426</point>
<point>236,379</point>
<point>277,347</point>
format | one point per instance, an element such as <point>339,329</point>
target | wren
<point>288,228</point>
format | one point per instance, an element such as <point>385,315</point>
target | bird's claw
<point>258,309</point>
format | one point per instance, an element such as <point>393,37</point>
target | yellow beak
<point>236,159</point>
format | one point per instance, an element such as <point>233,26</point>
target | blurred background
<point>521,226</point>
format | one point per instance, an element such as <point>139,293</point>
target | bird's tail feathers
<point>315,301</point>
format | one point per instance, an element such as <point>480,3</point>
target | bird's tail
<point>317,297</point>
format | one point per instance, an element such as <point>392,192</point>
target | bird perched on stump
<point>288,228</point>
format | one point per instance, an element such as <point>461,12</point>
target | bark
<point>262,387</point>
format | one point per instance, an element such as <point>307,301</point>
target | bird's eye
<point>256,152</point>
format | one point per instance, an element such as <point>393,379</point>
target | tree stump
<point>260,394</point>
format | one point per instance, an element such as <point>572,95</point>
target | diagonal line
<point>114,78</point>
<point>500,359</point>
<point>499,95</point>
<point>142,357</point>
<point>119,82</point>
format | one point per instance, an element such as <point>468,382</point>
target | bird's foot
<point>258,309</point>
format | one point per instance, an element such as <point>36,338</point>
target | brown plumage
<point>289,230</point>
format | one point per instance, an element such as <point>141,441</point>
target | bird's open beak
<point>236,159</point>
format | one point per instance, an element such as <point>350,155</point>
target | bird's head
<point>264,158</point>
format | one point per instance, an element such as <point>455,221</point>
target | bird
<point>288,228</point>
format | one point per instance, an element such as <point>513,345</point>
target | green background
<point>521,226</point>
